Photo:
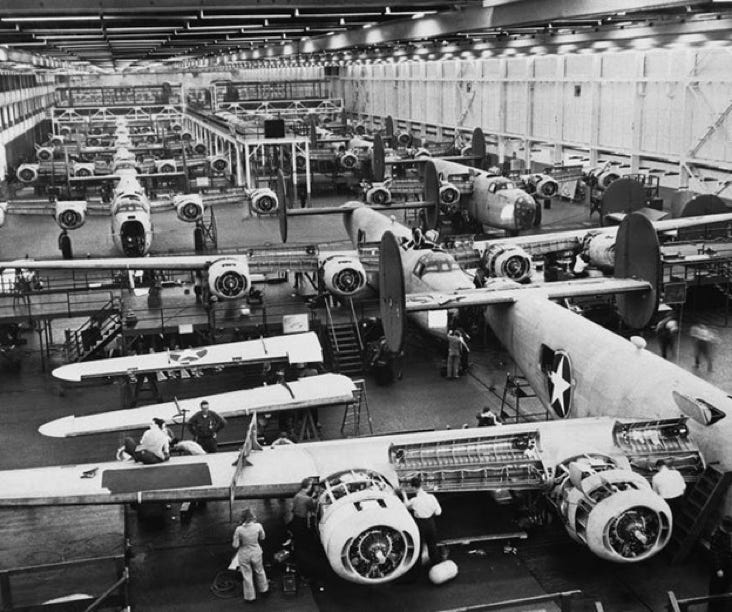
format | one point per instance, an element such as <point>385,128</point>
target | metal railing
<point>564,599</point>
<point>116,595</point>
<point>682,605</point>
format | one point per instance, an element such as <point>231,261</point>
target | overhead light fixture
<point>233,28</point>
<point>420,13</point>
<point>205,15</point>
<point>144,29</point>
<point>364,14</point>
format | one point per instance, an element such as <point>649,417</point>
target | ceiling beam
<point>501,15</point>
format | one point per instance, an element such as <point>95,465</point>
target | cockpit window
<point>500,184</point>
<point>434,262</point>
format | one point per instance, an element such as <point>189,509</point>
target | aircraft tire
<point>198,240</point>
<point>537,216</point>
<point>64,243</point>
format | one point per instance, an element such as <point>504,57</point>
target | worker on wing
<point>205,425</point>
<point>154,446</point>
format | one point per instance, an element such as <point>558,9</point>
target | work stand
<point>352,412</point>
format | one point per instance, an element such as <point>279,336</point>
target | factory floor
<point>178,562</point>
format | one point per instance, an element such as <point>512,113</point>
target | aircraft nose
<point>524,212</point>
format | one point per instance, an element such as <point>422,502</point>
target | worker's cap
<point>159,422</point>
<point>300,366</point>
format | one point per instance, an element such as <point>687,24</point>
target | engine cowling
<point>228,278</point>
<point>186,136</point>
<point>176,127</point>
<point>165,166</point>
<point>601,177</point>
<point>218,163</point>
<point>449,194</point>
<point>301,161</point>
<point>200,148</point>
<point>378,193</point>
<point>367,533</point>
<point>264,201</point>
<point>507,261</point>
<point>57,140</point>
<point>44,154</point>
<point>359,129</point>
<point>614,512</point>
<point>71,214</point>
<point>606,178</point>
<point>403,139</point>
<point>348,160</point>
<point>422,153</point>
<point>83,169</point>
<point>64,130</point>
<point>343,275</point>
<point>600,248</point>
<point>189,207</point>
<point>542,185</point>
<point>93,141</point>
<point>27,173</point>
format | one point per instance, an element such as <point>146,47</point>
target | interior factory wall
<point>671,104</point>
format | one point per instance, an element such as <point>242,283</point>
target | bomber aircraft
<point>638,408</point>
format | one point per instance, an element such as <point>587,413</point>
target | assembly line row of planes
<point>617,410</point>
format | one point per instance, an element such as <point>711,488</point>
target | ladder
<point>520,388</point>
<point>697,507</point>
<point>352,412</point>
<point>345,348</point>
<point>101,328</point>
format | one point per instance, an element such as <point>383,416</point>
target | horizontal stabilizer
<point>507,292</point>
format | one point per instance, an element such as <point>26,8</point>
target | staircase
<point>699,504</point>
<point>101,328</point>
<point>346,349</point>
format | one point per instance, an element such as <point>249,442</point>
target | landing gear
<point>205,235</point>
<point>64,245</point>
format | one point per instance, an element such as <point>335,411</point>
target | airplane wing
<point>323,390</point>
<point>100,178</point>
<point>552,242</point>
<point>504,293</point>
<point>176,262</point>
<point>296,348</point>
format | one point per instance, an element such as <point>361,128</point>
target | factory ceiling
<point>123,35</point>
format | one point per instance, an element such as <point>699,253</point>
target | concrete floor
<point>174,563</point>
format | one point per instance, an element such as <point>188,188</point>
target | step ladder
<point>352,411</point>
<point>98,332</point>
<point>518,387</point>
<point>346,349</point>
<point>698,505</point>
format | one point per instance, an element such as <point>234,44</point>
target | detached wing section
<point>296,348</point>
<point>323,390</point>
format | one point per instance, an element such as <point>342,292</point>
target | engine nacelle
<point>176,127</point>
<point>378,193</point>
<point>614,512</point>
<point>83,169</point>
<point>64,130</point>
<point>189,207</point>
<point>343,275</point>
<point>165,166</point>
<point>403,139</point>
<point>71,214</point>
<point>507,261</point>
<point>602,176</point>
<point>57,141</point>
<point>421,153</point>
<point>449,194</point>
<point>228,278</point>
<point>44,154</point>
<point>359,129</point>
<point>93,141</point>
<point>264,201</point>
<point>3,212</point>
<point>200,148</point>
<point>367,533</point>
<point>218,163</point>
<point>186,136</point>
<point>600,248</point>
<point>27,173</point>
<point>541,185</point>
<point>348,160</point>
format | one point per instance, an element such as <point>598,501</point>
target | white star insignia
<point>559,384</point>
